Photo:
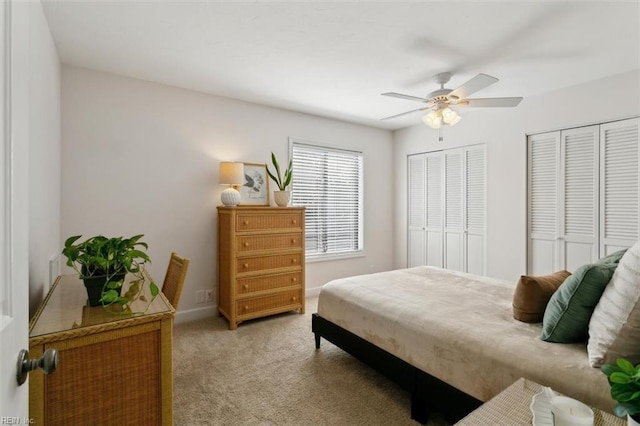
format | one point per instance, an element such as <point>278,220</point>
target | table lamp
<point>231,174</point>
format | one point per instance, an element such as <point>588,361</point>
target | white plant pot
<point>282,198</point>
<point>631,422</point>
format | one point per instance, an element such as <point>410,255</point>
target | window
<point>328,182</point>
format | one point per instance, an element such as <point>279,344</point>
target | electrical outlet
<point>200,296</point>
<point>209,295</point>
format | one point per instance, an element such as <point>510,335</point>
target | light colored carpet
<point>268,372</point>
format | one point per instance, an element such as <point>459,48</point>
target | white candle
<point>569,412</point>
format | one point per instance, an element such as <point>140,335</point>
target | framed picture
<point>255,189</point>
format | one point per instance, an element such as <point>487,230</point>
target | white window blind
<point>328,182</point>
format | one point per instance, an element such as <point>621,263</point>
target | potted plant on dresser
<point>624,379</point>
<point>102,263</point>
<point>282,197</point>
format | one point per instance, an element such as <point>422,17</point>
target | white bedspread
<point>459,328</point>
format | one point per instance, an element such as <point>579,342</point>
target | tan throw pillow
<point>614,328</point>
<point>533,293</point>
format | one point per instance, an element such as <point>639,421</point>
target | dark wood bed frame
<point>427,392</point>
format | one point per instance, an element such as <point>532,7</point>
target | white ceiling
<point>335,58</point>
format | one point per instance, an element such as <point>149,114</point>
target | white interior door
<point>417,244</point>
<point>434,209</point>
<point>14,251</point>
<point>543,175</point>
<point>619,212</point>
<point>453,246</point>
<point>474,209</point>
<point>578,204</point>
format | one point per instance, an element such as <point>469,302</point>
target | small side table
<point>511,407</point>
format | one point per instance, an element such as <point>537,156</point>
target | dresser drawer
<point>266,303</point>
<point>262,263</point>
<point>267,282</point>
<point>268,242</point>
<point>263,222</point>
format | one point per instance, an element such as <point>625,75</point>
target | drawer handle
<point>246,222</point>
<point>293,241</point>
<point>246,244</point>
<point>246,286</point>
<point>294,279</point>
<point>294,221</point>
<point>294,298</point>
<point>246,307</point>
<point>246,265</point>
<point>293,261</point>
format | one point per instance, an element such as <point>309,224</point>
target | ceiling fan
<point>440,101</point>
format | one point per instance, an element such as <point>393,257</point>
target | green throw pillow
<point>613,257</point>
<point>566,318</point>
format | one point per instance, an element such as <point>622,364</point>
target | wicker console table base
<point>511,408</point>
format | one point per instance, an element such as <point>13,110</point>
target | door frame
<point>14,331</point>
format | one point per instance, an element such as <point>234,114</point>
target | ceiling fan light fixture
<point>433,119</point>
<point>441,100</point>
<point>455,120</point>
<point>449,115</point>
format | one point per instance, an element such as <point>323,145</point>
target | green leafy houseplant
<point>277,177</point>
<point>624,379</point>
<point>108,260</point>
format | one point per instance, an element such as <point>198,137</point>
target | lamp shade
<point>231,173</point>
<point>455,120</point>
<point>433,120</point>
<point>448,115</point>
<point>443,114</point>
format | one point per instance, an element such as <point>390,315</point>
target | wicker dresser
<point>260,261</point>
<point>113,369</point>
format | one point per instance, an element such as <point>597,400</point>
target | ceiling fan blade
<point>405,113</point>
<point>478,82</point>
<point>408,97</point>
<point>490,102</point>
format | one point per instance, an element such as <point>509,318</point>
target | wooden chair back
<point>174,279</point>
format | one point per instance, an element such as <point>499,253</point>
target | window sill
<point>330,257</point>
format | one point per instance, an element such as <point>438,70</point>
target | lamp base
<point>230,197</point>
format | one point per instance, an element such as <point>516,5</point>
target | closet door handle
<point>48,363</point>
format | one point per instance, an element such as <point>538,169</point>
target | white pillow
<point>614,329</point>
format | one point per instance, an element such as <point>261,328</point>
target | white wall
<point>140,157</point>
<point>44,154</point>
<point>504,132</point>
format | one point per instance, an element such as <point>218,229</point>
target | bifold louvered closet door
<point>446,206</point>
<point>582,195</point>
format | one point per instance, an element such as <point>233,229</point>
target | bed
<point>449,338</point>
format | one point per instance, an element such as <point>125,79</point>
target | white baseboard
<point>312,292</point>
<point>196,314</point>
<point>212,311</point>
